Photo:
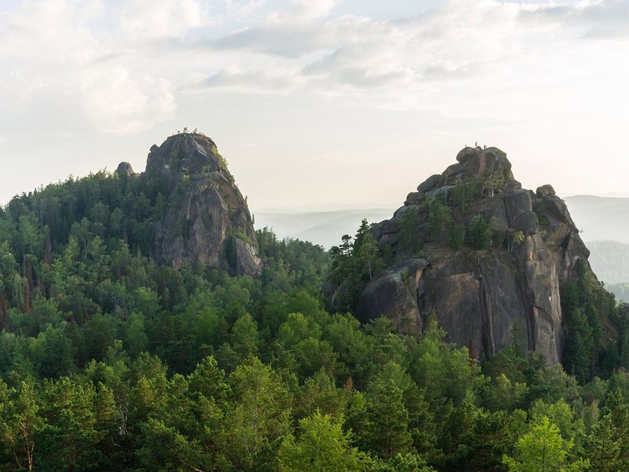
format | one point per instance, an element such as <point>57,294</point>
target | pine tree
<point>578,348</point>
<point>387,430</point>
<point>603,448</point>
<point>439,220</point>
<point>479,233</point>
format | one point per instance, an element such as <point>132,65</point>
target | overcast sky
<point>317,103</point>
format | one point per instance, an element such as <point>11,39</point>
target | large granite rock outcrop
<point>481,297</point>
<point>205,218</point>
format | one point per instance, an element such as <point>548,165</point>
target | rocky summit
<point>205,219</point>
<point>482,256</point>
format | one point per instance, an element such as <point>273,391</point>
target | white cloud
<point>443,59</point>
<point>277,80</point>
<point>119,69</point>
<point>116,103</point>
<point>288,41</point>
<point>51,31</point>
<point>150,19</point>
<point>60,63</point>
<point>79,68</point>
<point>303,11</point>
<point>594,19</point>
<point>243,10</point>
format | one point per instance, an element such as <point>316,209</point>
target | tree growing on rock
<point>494,184</point>
<point>514,238</point>
<point>480,233</point>
<point>407,230</point>
<point>457,238</point>
<point>439,220</point>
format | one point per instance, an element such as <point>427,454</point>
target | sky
<point>317,104</point>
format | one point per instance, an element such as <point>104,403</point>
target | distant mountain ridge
<point>610,261</point>
<point>319,227</point>
<point>600,218</point>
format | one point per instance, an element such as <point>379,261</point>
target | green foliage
<point>439,220</point>
<point>494,184</point>
<point>239,233</point>
<point>579,343</point>
<point>503,394</point>
<point>480,233</point>
<point>354,263</point>
<point>461,195</point>
<point>111,361</point>
<point>608,444</point>
<point>514,239</point>
<point>543,449</point>
<point>408,224</point>
<point>586,306</point>
<point>224,167</point>
<point>402,463</point>
<point>387,429</point>
<point>321,446</point>
<point>457,238</point>
<point>259,417</point>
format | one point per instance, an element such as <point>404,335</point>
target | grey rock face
<point>545,191</point>
<point>482,297</point>
<point>478,162</point>
<point>394,295</point>
<point>206,220</point>
<point>124,168</point>
<point>430,183</point>
<point>413,198</point>
<point>517,204</point>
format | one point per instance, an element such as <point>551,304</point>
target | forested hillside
<point>111,360</point>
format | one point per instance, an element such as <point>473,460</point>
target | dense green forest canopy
<point>109,361</point>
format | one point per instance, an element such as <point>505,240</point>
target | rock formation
<point>205,219</point>
<point>480,296</point>
<point>124,169</point>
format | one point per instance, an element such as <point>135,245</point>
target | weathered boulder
<point>206,219</point>
<point>527,223</point>
<point>124,169</point>
<point>545,191</point>
<point>394,294</point>
<point>479,162</point>
<point>188,154</point>
<point>413,198</point>
<point>430,183</point>
<point>517,204</point>
<point>481,297</point>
